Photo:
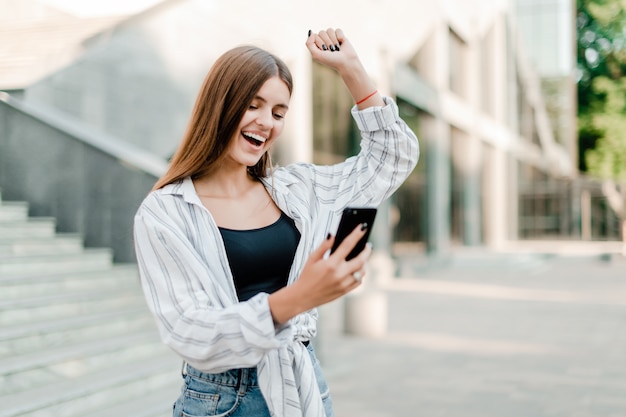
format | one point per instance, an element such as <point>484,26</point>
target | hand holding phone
<point>350,219</point>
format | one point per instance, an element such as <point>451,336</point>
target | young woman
<point>233,253</point>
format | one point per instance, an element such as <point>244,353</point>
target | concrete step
<point>13,211</point>
<point>28,286</point>
<point>88,260</point>
<point>58,306</point>
<point>32,227</point>
<point>58,244</point>
<point>157,403</point>
<point>83,349</point>
<point>128,351</point>
<point>93,391</point>
<point>76,337</point>
<point>50,334</point>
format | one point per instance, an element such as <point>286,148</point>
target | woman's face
<point>261,124</point>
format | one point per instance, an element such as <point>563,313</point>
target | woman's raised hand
<point>330,47</point>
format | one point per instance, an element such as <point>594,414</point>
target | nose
<point>264,119</point>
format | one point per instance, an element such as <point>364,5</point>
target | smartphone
<point>350,219</point>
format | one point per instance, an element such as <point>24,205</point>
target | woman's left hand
<point>330,47</point>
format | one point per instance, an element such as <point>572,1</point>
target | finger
<point>324,247</point>
<point>358,262</point>
<point>311,42</point>
<point>340,36</point>
<point>333,38</point>
<point>350,241</point>
<point>352,282</point>
<point>326,41</point>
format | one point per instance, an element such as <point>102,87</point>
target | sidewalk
<point>532,336</point>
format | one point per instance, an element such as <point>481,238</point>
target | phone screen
<point>350,219</point>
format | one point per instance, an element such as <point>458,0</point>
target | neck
<point>225,182</point>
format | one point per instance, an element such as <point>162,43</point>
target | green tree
<point>608,158</point>
<point>601,36</point>
<point>601,53</point>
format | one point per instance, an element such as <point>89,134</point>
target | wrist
<point>352,69</point>
<point>286,303</point>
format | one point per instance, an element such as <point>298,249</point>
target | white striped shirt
<point>188,283</point>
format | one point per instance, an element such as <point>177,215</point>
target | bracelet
<point>368,96</point>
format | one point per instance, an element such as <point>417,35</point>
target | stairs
<point>76,337</point>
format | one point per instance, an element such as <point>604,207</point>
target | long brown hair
<point>228,89</point>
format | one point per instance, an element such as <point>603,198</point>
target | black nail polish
<point>332,48</point>
<point>328,236</point>
<point>324,47</point>
<point>309,33</point>
<point>363,226</point>
<point>337,47</point>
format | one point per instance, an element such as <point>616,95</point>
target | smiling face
<point>261,124</point>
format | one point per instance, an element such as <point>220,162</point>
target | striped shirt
<point>188,283</point>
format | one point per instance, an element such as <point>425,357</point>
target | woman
<point>233,254</point>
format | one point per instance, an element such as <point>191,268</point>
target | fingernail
<point>309,33</point>
<point>328,236</point>
<point>324,47</point>
<point>332,48</point>
<point>363,226</point>
<point>337,47</point>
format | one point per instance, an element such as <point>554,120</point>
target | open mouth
<point>256,140</point>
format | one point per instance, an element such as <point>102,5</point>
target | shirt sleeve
<point>196,316</point>
<point>389,152</point>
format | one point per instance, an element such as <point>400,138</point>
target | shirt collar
<point>183,188</point>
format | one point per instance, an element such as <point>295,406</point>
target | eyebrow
<point>281,105</point>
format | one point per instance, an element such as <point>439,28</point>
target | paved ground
<point>499,337</point>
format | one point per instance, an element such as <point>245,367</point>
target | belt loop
<point>243,381</point>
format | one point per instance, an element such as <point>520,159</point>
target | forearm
<point>360,85</point>
<point>287,303</point>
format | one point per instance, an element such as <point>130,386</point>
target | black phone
<point>350,219</point>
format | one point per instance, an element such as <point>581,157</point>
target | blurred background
<point>519,106</point>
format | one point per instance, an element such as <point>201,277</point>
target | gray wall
<point>65,170</point>
<point>139,80</point>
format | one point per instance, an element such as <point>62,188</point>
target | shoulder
<point>297,174</point>
<point>162,200</point>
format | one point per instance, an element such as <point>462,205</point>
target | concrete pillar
<point>366,313</point>
<point>585,214</point>
<point>437,134</point>
<point>471,195</point>
<point>574,203</point>
<point>495,195</point>
<point>473,147</point>
<point>467,154</point>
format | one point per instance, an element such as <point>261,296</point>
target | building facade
<point>459,70</point>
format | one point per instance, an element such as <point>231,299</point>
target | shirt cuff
<point>269,334</point>
<point>376,118</point>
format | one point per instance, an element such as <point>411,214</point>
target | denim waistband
<point>232,377</point>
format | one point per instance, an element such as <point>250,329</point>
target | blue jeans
<point>233,393</point>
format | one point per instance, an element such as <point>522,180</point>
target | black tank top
<point>260,259</point>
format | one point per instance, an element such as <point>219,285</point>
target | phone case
<point>350,219</point>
